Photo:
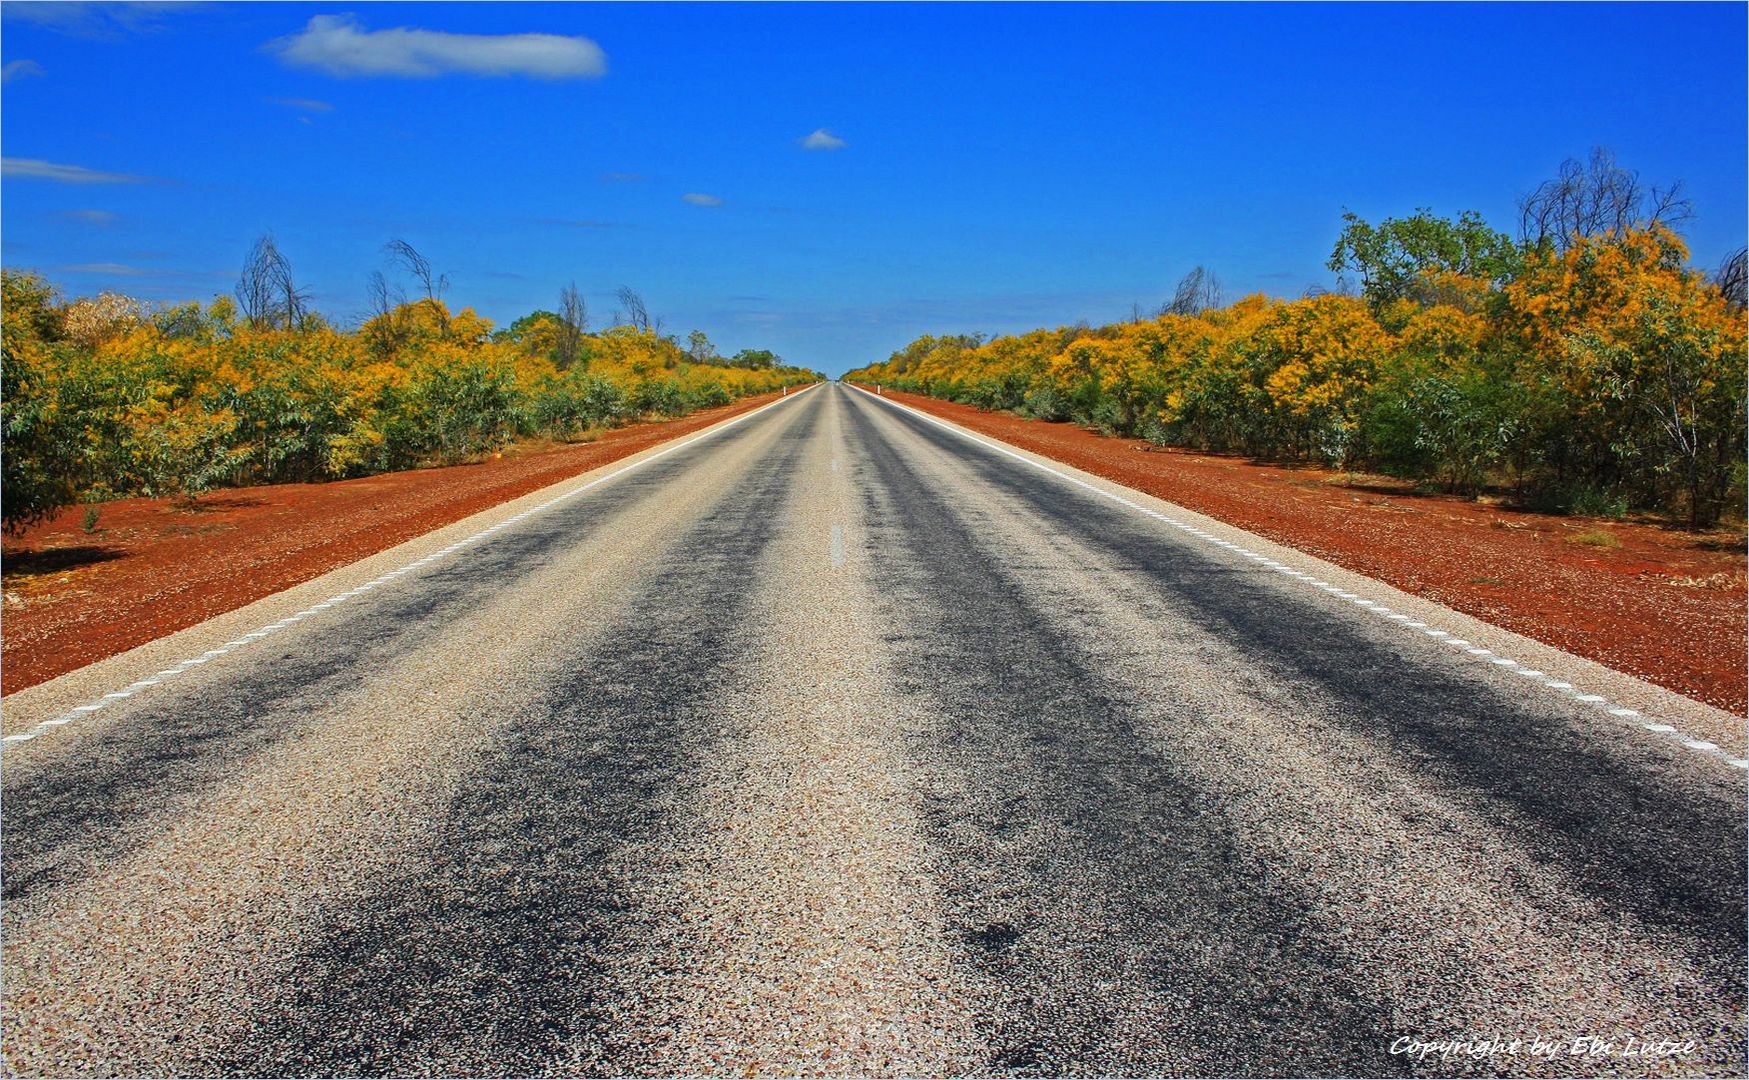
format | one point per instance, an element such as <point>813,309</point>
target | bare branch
<point>1197,291</point>
<point>266,292</point>
<point>573,321</point>
<point>635,313</point>
<point>1733,279</point>
<point>418,267</point>
<point>1595,198</point>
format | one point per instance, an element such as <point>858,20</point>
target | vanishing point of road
<point>835,741</point>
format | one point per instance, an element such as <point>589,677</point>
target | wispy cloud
<point>302,104</point>
<point>99,19</point>
<point>581,224</point>
<point>32,169</point>
<point>112,269</point>
<point>90,217</point>
<point>622,177</point>
<point>699,198</point>
<point>821,139</point>
<point>340,45</point>
<point>19,69</point>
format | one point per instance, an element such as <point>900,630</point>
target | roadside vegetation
<point>1583,366</point>
<point>105,397</point>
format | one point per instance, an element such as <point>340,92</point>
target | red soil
<point>1665,605</point>
<point>152,568</point>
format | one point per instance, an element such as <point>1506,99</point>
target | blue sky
<point>1001,167</point>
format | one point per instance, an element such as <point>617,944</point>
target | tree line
<point>1582,366</point>
<point>106,397</point>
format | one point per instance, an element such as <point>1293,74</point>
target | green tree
<point>755,359</point>
<point>1403,258</point>
<point>41,465</point>
<point>700,350</point>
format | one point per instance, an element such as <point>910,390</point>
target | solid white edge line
<point>1700,745</point>
<point>255,635</point>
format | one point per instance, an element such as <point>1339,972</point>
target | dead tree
<point>1733,279</point>
<point>573,321</point>
<point>632,310</point>
<point>1596,198</point>
<point>386,326</point>
<point>266,292</point>
<point>419,268</point>
<point>1197,292</point>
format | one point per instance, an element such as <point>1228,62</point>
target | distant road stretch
<point>837,741</point>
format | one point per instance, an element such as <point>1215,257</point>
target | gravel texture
<point>835,744</point>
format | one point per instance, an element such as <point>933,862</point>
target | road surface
<point>835,741</point>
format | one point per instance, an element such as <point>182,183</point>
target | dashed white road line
<point>1566,689</point>
<point>314,609</point>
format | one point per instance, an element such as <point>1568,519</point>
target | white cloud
<point>19,69</point>
<point>302,104</point>
<point>339,45</point>
<point>821,139</point>
<point>699,198</point>
<point>90,217</point>
<point>103,20</point>
<point>32,169</point>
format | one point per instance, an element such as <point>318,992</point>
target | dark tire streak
<point>1087,880</point>
<point>485,956</point>
<point>1671,854</point>
<point>62,823</point>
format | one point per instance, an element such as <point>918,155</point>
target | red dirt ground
<point>152,568</point>
<point>1665,605</point>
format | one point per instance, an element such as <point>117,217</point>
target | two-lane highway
<point>833,740</point>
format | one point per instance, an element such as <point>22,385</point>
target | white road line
<point>837,546</point>
<point>1701,745</point>
<point>256,635</point>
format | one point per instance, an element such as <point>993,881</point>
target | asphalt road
<point>836,742</point>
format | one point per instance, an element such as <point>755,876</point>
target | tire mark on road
<point>1117,921</point>
<point>511,941</point>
